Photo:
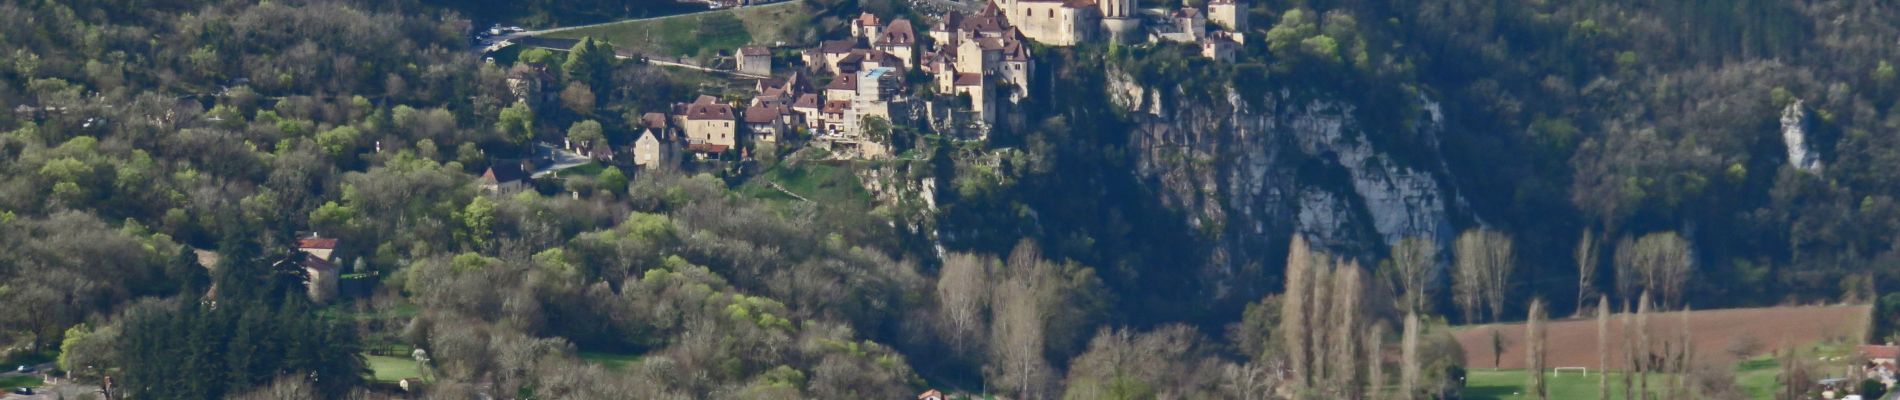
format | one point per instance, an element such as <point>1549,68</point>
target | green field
<point>11,382</point>
<point>391,369</point>
<point>1509,384</point>
<point>688,34</point>
<point>615,362</point>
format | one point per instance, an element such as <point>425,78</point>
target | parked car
<point>26,391</point>
<point>24,369</point>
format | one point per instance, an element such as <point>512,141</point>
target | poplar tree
<point>1603,347</point>
<point>1534,342</point>
<point>1294,320</point>
<point>1409,369</point>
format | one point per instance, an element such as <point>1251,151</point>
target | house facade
<point>710,126</point>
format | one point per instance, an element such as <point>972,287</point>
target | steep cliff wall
<point>1250,172</point>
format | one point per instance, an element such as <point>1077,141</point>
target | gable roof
<point>807,100</point>
<point>969,79</point>
<point>836,46</point>
<point>867,19</point>
<point>504,171</point>
<point>708,108</point>
<point>754,51</point>
<point>844,82</point>
<point>1878,351</point>
<point>760,115</point>
<point>899,33</point>
<point>653,120</point>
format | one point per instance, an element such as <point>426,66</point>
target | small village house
<point>711,126</point>
<point>900,41</point>
<point>318,261</point>
<point>1219,46</point>
<point>504,175</point>
<point>649,150</point>
<point>755,60</point>
<point>764,124</point>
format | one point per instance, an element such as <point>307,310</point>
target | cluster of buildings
<point>971,66</point>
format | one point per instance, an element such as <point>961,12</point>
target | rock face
<point>1794,133</point>
<point>1249,173</point>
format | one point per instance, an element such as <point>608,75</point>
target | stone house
<point>900,41</point>
<point>755,60</point>
<point>651,149</point>
<point>710,126</point>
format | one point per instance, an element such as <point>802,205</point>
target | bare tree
<point>963,295</point>
<point>1587,251</point>
<point>1375,367</point>
<point>1017,338</point>
<point>1657,263</point>
<point>1249,381</point>
<point>1485,263</point>
<point>1534,342</point>
<point>1409,370</point>
<point>1413,260</point>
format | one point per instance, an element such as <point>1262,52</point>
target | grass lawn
<point>615,362</point>
<point>591,169</point>
<point>1501,384</point>
<point>686,34</point>
<point>11,382</point>
<point>816,181</point>
<point>391,369</point>
<point>1758,376</point>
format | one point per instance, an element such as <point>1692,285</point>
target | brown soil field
<point>1573,342</point>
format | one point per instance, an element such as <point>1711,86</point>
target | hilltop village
<point>955,76</point>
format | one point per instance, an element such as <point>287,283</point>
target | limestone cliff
<point>1249,172</point>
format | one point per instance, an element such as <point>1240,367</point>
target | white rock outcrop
<point>1794,132</point>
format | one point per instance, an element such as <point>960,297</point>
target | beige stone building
<point>755,60</point>
<point>649,150</point>
<point>899,41</point>
<point>710,126</point>
<point>1230,14</point>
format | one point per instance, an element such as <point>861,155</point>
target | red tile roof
<point>969,79</point>
<point>316,243</point>
<point>807,100</point>
<point>867,19</point>
<point>1878,351</point>
<point>751,51</point>
<point>706,148</point>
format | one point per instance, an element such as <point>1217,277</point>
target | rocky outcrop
<point>1249,173</point>
<point>1794,132</point>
